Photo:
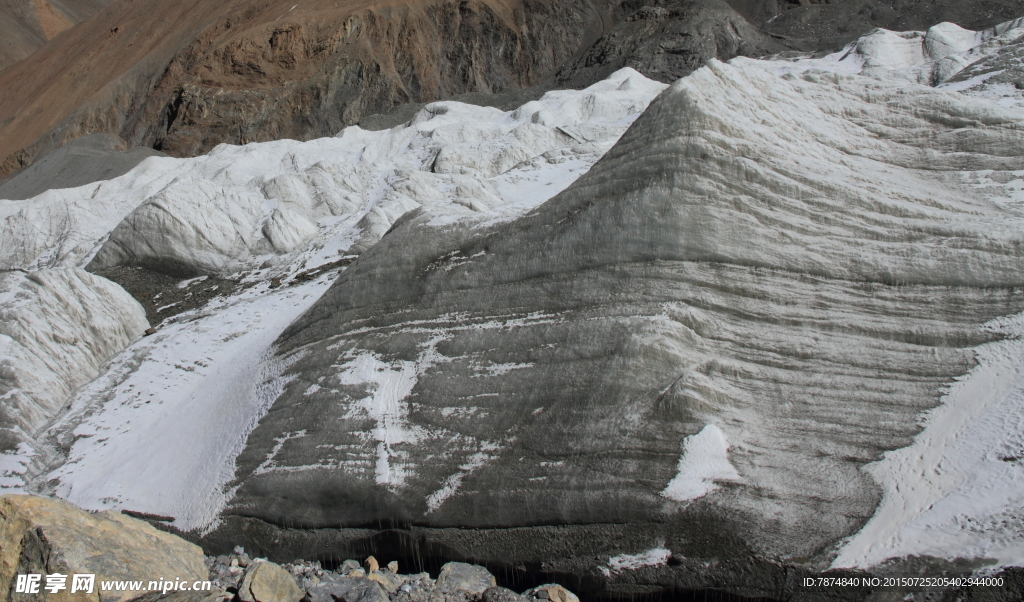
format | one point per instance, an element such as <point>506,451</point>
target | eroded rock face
<point>669,40</point>
<point>45,536</point>
<point>310,79</point>
<point>755,293</point>
<point>207,73</point>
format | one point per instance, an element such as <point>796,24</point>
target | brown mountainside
<point>184,75</point>
<point>26,25</point>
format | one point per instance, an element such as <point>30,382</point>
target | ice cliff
<point>57,328</point>
<point>775,314</point>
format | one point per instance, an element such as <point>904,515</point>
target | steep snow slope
<point>57,327</point>
<point>188,396</point>
<point>741,317</point>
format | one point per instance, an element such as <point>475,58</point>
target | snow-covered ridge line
<point>924,57</point>
<point>285,204</point>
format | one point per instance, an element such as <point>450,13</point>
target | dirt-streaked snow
<point>160,430</point>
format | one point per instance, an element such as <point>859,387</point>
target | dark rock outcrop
<point>670,40</point>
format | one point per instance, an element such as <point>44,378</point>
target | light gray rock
<point>459,576</point>
<point>501,594</point>
<point>201,596</point>
<point>364,590</point>
<point>388,580</point>
<point>552,592</point>
<point>333,586</point>
<point>268,582</point>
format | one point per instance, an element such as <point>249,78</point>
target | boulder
<point>389,581</point>
<point>210,596</point>
<point>501,594</point>
<point>268,582</point>
<point>552,592</point>
<point>45,536</point>
<point>459,576</point>
<point>364,590</point>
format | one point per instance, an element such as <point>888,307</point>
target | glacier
<point>779,296</point>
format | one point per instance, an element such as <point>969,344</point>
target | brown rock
<point>555,593</point>
<point>184,75</point>
<point>393,566</point>
<point>45,536</point>
<point>389,581</point>
<point>371,564</point>
<point>268,582</point>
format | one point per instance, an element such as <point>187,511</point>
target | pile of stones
<point>248,579</point>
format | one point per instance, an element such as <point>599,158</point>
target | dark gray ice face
<point>798,265</point>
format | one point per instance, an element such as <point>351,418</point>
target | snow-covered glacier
<point>774,313</point>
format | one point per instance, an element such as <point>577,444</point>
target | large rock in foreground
<point>46,536</point>
<point>757,292</point>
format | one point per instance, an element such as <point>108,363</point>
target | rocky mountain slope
<point>26,25</point>
<point>636,335</point>
<point>182,77</point>
<point>186,76</point>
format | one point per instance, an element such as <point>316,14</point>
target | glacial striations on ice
<point>735,332</point>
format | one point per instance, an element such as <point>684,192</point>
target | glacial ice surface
<point>57,328</point>
<point>778,272</point>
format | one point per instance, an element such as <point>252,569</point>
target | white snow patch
<point>160,430</point>
<point>13,465</point>
<point>452,484</point>
<point>705,460</point>
<point>391,384</point>
<point>957,491</point>
<point>928,58</point>
<point>631,562</point>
